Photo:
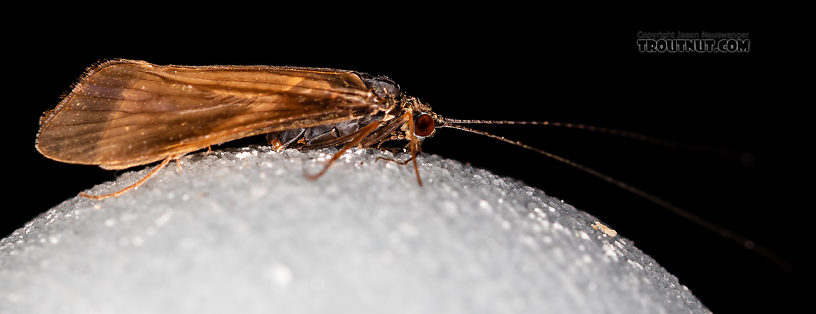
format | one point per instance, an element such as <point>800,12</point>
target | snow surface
<point>243,231</point>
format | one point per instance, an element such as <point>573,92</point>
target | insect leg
<point>177,159</point>
<point>361,134</point>
<point>398,137</point>
<point>401,162</point>
<point>132,186</point>
<point>414,145</point>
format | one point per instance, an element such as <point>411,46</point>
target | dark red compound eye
<point>424,125</point>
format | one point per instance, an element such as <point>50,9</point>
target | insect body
<point>125,113</point>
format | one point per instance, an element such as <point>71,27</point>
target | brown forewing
<point>125,113</point>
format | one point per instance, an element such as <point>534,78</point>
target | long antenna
<point>724,232</point>
<point>726,152</point>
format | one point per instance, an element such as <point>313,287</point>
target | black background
<point>514,64</point>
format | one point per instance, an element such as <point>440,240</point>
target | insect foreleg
<point>414,144</point>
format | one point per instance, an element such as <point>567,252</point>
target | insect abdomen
<point>322,135</point>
